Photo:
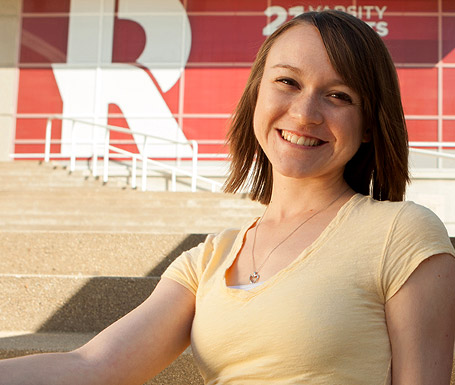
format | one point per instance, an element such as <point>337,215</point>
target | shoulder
<point>416,234</point>
<point>368,216</point>
<point>401,225</point>
<point>413,214</point>
<point>189,268</point>
<point>409,222</point>
<point>419,221</point>
<point>224,240</point>
<point>203,253</point>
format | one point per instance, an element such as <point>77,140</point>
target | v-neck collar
<point>240,241</point>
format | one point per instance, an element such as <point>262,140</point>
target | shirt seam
<point>388,374</point>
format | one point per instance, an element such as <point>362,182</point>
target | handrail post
<point>134,173</point>
<point>173,181</point>
<point>440,160</point>
<point>95,154</point>
<point>194,174</point>
<point>144,165</point>
<point>73,148</point>
<point>177,154</point>
<point>106,155</point>
<point>47,143</point>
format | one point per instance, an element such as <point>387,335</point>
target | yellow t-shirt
<point>320,320</point>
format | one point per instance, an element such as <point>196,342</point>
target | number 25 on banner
<point>365,13</point>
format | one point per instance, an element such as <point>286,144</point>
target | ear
<point>366,137</point>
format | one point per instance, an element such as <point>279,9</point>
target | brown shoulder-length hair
<point>359,56</point>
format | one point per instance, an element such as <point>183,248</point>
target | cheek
<point>255,120</point>
<point>260,128</point>
<point>356,127</point>
<point>255,127</point>
<point>258,133</point>
<point>260,115</point>
<point>258,121</point>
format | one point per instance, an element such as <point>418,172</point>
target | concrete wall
<point>435,190</point>
<point>9,46</point>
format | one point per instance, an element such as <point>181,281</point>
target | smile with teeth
<point>300,140</point>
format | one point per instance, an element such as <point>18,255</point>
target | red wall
<point>225,36</point>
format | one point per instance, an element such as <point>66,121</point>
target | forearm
<point>49,369</point>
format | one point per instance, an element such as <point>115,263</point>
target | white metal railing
<point>436,150</point>
<point>110,151</point>
<point>107,155</point>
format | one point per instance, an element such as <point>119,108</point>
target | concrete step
<point>52,182</point>
<point>112,207</point>
<point>147,224</point>
<point>37,172</point>
<point>44,176</point>
<point>43,182</point>
<point>15,344</point>
<point>27,196</point>
<point>133,215</point>
<point>27,184</point>
<point>34,172</point>
<point>120,210</point>
<point>133,194</point>
<point>158,229</point>
<point>55,174</point>
<point>59,303</point>
<point>92,253</point>
<point>22,169</point>
<point>46,183</point>
<point>39,178</point>
<point>28,167</point>
<point>80,282</point>
<point>152,198</point>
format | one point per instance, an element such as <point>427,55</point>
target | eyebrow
<point>287,66</point>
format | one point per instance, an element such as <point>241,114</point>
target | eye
<point>288,81</point>
<point>343,97</point>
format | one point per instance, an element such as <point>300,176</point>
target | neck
<point>305,196</point>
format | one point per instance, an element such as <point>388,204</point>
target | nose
<point>306,109</point>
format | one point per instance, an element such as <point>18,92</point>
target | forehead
<point>301,47</point>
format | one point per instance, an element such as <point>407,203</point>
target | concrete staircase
<point>77,255</point>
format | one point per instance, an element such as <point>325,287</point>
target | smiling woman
<point>339,281</point>
<point>361,63</point>
<point>301,94</point>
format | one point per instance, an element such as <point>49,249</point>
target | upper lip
<point>301,134</point>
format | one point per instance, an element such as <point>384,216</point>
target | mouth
<point>301,140</point>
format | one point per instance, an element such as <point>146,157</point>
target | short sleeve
<point>416,234</point>
<point>188,267</point>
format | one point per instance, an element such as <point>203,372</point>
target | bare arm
<point>130,351</point>
<point>421,322</point>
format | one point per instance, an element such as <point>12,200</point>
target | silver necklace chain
<point>254,276</point>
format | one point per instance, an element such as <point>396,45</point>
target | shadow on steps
<point>99,303</point>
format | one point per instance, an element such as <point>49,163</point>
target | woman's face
<point>307,121</point>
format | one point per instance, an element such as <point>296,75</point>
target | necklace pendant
<point>254,277</point>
